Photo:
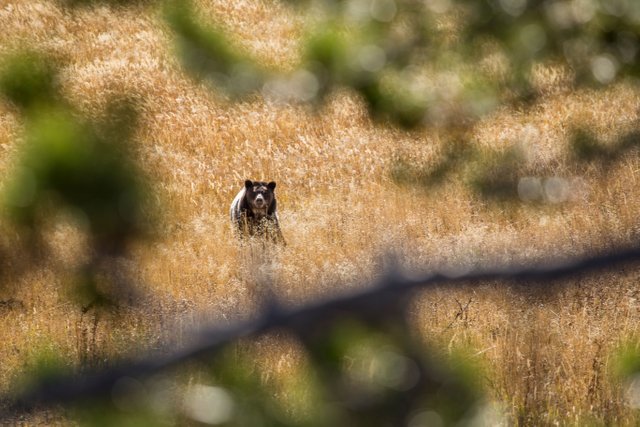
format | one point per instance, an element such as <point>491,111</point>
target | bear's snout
<point>259,201</point>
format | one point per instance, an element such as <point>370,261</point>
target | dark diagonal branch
<point>390,289</point>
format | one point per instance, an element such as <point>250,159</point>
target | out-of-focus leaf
<point>209,55</point>
<point>27,78</point>
<point>495,176</point>
<point>76,166</point>
<point>376,374</point>
<point>457,153</point>
<point>586,146</point>
<point>43,362</point>
<point>66,161</point>
<point>235,378</point>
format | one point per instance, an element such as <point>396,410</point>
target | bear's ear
<point>271,186</point>
<point>248,184</point>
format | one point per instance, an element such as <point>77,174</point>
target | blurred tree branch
<point>381,307</point>
<point>440,63</point>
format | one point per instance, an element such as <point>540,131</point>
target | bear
<point>254,212</point>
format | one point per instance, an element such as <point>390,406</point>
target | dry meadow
<point>545,357</point>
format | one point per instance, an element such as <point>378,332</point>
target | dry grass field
<point>545,356</point>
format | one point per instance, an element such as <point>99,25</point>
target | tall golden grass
<point>545,356</point>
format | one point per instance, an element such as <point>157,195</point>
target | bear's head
<point>260,196</point>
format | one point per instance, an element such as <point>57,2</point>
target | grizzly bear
<point>254,212</point>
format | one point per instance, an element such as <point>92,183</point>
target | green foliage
<point>70,161</point>
<point>492,174</point>
<point>42,363</point>
<point>596,38</point>
<point>209,55</point>
<point>375,373</point>
<point>74,165</point>
<point>131,403</point>
<point>626,360</point>
<point>625,370</point>
<point>457,155</point>
<point>28,79</point>
<point>410,71</point>
<point>587,148</point>
<point>495,175</point>
<point>356,372</point>
<point>44,360</point>
<point>362,369</point>
<point>237,378</point>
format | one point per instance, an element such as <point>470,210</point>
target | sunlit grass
<point>546,353</point>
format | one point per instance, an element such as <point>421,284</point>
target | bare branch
<point>391,289</point>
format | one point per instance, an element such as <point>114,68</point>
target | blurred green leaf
<point>587,148</point>
<point>626,359</point>
<point>495,175</point>
<point>80,167</point>
<point>66,161</point>
<point>27,78</point>
<point>236,375</point>
<point>209,55</point>
<point>377,374</point>
<point>457,154</point>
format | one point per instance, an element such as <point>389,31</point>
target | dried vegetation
<point>545,355</point>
